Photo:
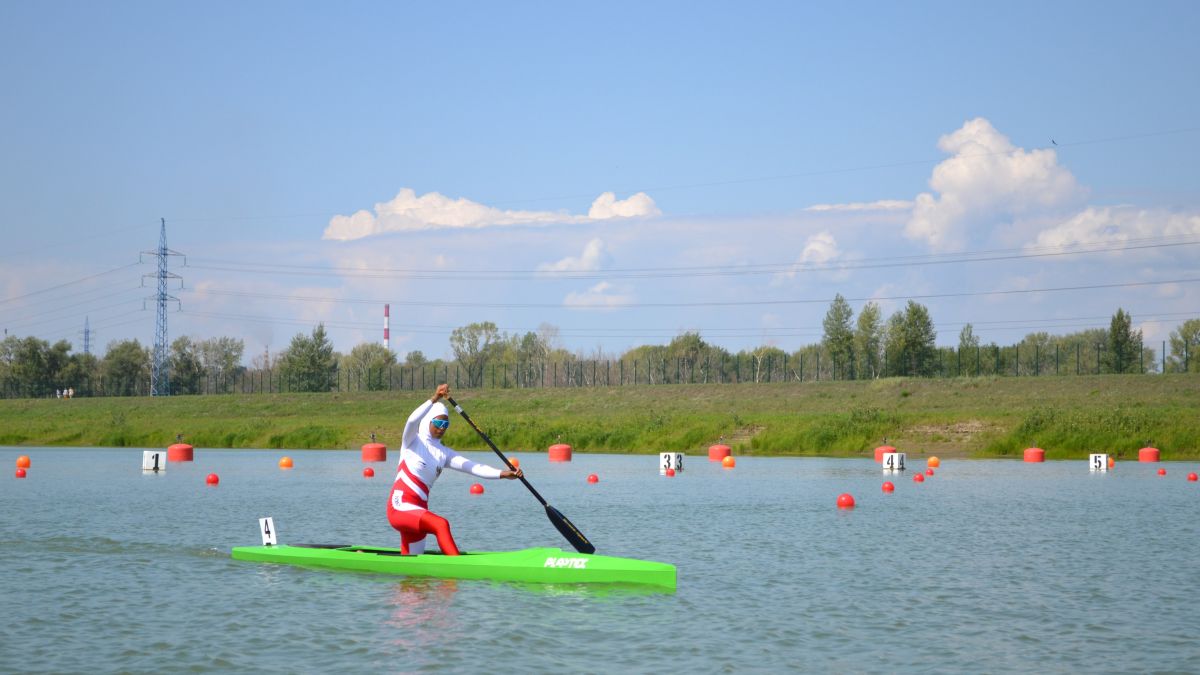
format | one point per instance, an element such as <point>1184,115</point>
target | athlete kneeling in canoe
<point>422,458</point>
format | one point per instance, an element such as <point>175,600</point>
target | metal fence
<point>811,367</point>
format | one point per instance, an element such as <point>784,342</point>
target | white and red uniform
<point>422,458</point>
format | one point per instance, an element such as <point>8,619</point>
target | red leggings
<point>415,525</point>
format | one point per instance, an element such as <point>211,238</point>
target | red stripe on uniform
<point>421,484</point>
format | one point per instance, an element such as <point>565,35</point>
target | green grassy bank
<point>976,417</point>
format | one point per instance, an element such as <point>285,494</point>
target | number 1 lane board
<point>538,565</point>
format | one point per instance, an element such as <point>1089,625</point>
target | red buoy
<point>374,452</point>
<point>20,472</point>
<point>559,452</point>
<point>928,472</point>
<point>593,478</point>
<point>212,479</point>
<point>179,452</point>
<point>476,489</point>
<point>888,487</point>
<point>23,462</point>
<point>1148,455</point>
<point>1035,455</point>
<point>1162,472</point>
<point>718,452</point>
<point>845,501</point>
<point>918,478</point>
<point>368,472</point>
<point>1192,477</point>
<point>670,473</point>
<point>879,452</point>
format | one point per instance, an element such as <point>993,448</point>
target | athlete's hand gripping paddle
<point>564,526</point>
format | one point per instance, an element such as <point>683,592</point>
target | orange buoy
<point>1111,461</point>
<point>179,452</point>
<point>23,462</point>
<point>934,462</point>
<point>1148,455</point>
<point>669,473</point>
<point>1035,455</point>
<point>718,452</point>
<point>212,479</point>
<point>1193,477</point>
<point>918,478</point>
<point>845,501</point>
<point>729,462</point>
<point>368,472</point>
<point>516,463</point>
<point>374,452</point>
<point>881,450</point>
<point>888,487</point>
<point>476,489</point>
<point>20,472</point>
<point>559,452</point>
<point>285,462</point>
<point>593,478</point>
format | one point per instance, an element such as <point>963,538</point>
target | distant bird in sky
<point>1054,141</point>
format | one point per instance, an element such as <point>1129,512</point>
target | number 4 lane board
<point>538,565</point>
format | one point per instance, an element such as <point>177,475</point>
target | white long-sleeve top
<point>422,458</point>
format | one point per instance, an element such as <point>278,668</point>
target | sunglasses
<point>441,424</point>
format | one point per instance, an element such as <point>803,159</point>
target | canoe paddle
<point>564,526</point>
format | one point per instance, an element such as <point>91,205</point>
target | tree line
<point>851,348</point>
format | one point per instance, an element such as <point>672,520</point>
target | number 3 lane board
<point>537,565</point>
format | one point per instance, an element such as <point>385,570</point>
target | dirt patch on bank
<point>743,435</point>
<point>957,439</point>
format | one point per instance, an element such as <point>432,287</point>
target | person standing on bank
<point>422,458</point>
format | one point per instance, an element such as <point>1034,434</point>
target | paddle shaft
<point>492,445</point>
<point>561,523</point>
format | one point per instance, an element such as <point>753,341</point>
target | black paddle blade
<point>568,530</point>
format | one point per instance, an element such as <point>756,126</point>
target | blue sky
<point>488,131</point>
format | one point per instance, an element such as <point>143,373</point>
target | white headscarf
<point>436,409</point>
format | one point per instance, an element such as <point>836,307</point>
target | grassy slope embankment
<point>983,417</point>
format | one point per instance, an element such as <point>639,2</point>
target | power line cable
<point>711,303</point>
<point>699,271</point>
<point>763,179</point>
<point>69,283</point>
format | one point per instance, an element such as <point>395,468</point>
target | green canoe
<point>539,565</point>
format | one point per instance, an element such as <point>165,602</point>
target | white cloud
<point>819,248</point>
<point>589,260</point>
<point>608,206</point>
<point>986,180</point>
<point>409,212</point>
<point>601,296</point>
<point>880,205</point>
<point>1117,224</point>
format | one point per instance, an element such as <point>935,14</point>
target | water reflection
<point>421,613</point>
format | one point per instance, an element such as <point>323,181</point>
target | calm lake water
<point>992,566</point>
